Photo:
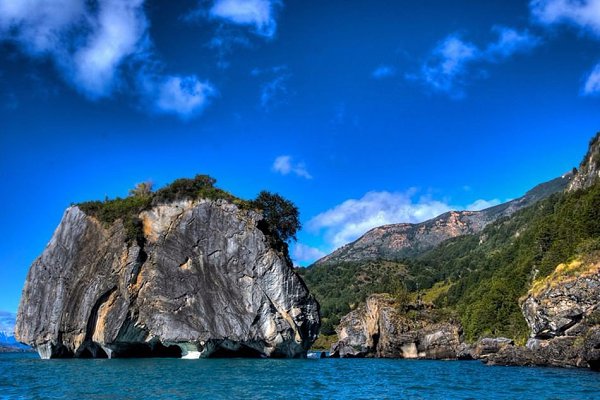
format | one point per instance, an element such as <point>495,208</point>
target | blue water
<point>24,376</point>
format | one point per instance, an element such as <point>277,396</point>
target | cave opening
<point>146,350</point>
<point>242,352</point>
<point>93,351</point>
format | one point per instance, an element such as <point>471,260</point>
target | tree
<point>142,189</point>
<point>280,215</point>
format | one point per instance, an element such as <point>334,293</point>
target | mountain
<point>521,291</point>
<point>477,277</point>
<point>188,271</point>
<point>398,241</point>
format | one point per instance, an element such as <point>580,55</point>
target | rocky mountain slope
<point>535,273</point>
<point>589,170</point>
<point>397,241</point>
<point>200,280</point>
<point>563,313</point>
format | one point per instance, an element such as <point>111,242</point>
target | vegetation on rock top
<point>280,216</point>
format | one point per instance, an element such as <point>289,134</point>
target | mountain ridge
<point>402,240</point>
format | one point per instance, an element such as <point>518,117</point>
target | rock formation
<point>392,242</point>
<point>563,313</point>
<point>589,170</point>
<point>380,329</point>
<point>204,282</point>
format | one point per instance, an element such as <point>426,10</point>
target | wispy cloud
<point>383,71</point>
<point>302,253</point>
<point>354,217</point>
<point>285,165</point>
<point>447,66</point>
<point>183,96</point>
<point>450,63</point>
<point>225,41</point>
<point>258,14</point>
<point>481,204</point>
<point>99,47</point>
<point>274,90</point>
<point>592,83</point>
<point>119,31</point>
<point>582,14</point>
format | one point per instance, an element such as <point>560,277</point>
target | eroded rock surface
<point>589,170</point>
<point>380,329</point>
<point>204,283</point>
<point>564,317</point>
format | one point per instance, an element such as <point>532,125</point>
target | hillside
<point>397,241</point>
<point>476,276</point>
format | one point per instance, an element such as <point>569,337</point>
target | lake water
<point>24,376</point>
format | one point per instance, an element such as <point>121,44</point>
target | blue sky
<point>362,113</point>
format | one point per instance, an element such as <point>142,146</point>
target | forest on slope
<point>479,278</point>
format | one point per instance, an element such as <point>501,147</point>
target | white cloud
<point>481,204</point>
<point>259,14</point>
<point>40,26</point>
<point>184,96</point>
<point>352,218</point>
<point>306,254</point>
<point>285,165</point>
<point>510,42</point>
<point>87,43</point>
<point>119,29</point>
<point>383,71</point>
<point>592,84</point>
<point>95,45</point>
<point>451,60</point>
<point>583,14</point>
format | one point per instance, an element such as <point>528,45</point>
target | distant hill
<point>471,265</point>
<point>398,241</point>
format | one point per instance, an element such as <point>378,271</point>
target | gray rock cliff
<point>563,314</point>
<point>589,170</point>
<point>205,283</point>
<point>380,329</point>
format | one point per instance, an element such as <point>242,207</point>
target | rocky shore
<point>562,312</point>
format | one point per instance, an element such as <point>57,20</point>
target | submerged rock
<point>203,283</point>
<point>380,329</point>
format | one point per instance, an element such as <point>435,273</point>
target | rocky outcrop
<point>486,347</point>
<point>589,170</point>
<point>563,314</point>
<point>380,329</point>
<point>392,242</point>
<point>204,282</point>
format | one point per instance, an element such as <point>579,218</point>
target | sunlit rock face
<point>563,314</point>
<point>589,169</point>
<point>379,329</point>
<point>203,283</point>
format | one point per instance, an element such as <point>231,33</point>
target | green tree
<point>281,216</point>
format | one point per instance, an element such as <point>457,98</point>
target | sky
<point>362,113</point>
